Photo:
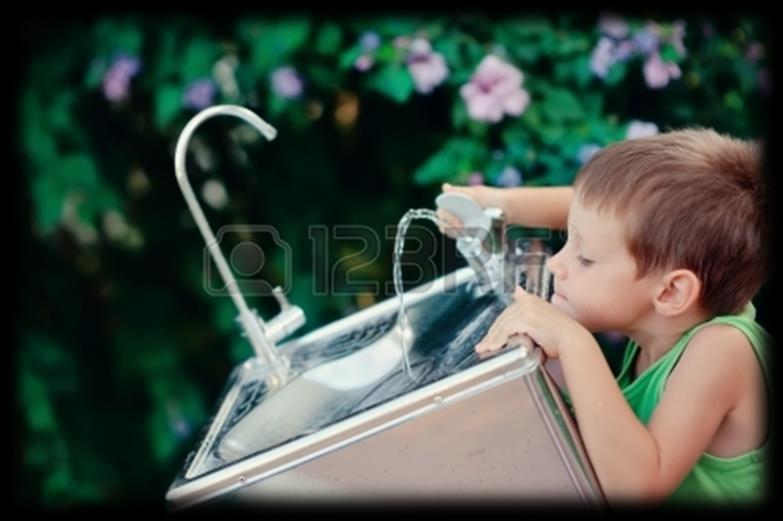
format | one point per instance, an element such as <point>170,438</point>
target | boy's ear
<point>677,291</point>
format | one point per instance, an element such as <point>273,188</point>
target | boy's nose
<point>555,266</point>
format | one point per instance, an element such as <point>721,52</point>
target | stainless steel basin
<point>351,424</point>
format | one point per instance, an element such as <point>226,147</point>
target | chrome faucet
<point>498,265</point>
<point>262,335</point>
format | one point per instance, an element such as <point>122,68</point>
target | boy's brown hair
<point>691,199</point>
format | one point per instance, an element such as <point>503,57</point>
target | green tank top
<point>713,479</point>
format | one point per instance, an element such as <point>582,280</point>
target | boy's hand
<point>531,319</point>
<point>485,196</point>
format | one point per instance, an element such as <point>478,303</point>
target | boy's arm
<point>533,207</point>
<point>538,207</point>
<point>634,461</point>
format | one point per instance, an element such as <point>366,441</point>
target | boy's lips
<point>558,294</point>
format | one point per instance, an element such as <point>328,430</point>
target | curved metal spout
<point>251,323</point>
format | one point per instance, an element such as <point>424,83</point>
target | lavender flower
<point>364,62</point>
<point>199,94</point>
<point>509,177</point>
<point>586,152</point>
<point>370,41</point>
<point>286,83</point>
<point>495,89</point>
<point>638,129</point>
<point>475,179</point>
<point>648,39</point>
<point>116,80</point>
<point>427,68</point>
<point>613,26</point>
<point>657,72</point>
<point>754,52</point>
<point>602,57</point>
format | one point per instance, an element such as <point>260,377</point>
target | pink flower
<point>116,80</point>
<point>495,89</point>
<point>476,178</point>
<point>657,73</point>
<point>364,62</point>
<point>427,68</point>
<point>754,52</point>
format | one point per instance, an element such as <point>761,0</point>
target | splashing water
<point>399,243</point>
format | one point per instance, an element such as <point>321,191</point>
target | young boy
<point>665,245</point>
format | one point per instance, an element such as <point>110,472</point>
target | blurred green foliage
<point>123,353</point>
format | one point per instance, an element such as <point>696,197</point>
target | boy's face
<point>595,275</point>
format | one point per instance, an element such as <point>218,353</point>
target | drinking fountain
<point>332,415</point>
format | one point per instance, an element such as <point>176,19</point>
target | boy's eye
<point>583,261</point>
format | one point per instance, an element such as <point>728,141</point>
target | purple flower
<point>286,83</point>
<point>657,72</point>
<point>476,178</point>
<point>509,177</point>
<point>370,41</point>
<point>613,26</point>
<point>638,129</point>
<point>647,39</point>
<point>427,68</point>
<point>364,62</point>
<point>199,94</point>
<point>116,80</point>
<point>754,52</point>
<point>602,57</point>
<point>586,152</point>
<point>607,52</point>
<point>495,89</point>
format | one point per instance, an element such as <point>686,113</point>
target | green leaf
<point>561,105</point>
<point>167,105</point>
<point>78,171</point>
<point>459,114</point>
<point>580,70</point>
<point>395,26</point>
<point>394,81</point>
<point>272,43</point>
<point>349,57</point>
<point>60,111</point>
<point>531,26</point>
<point>95,72</point>
<point>112,36</point>
<point>328,39</point>
<point>557,172</point>
<point>200,55</point>
<point>457,156</point>
<point>669,53</point>
<point>48,195</point>
<point>551,134</point>
<point>616,74</point>
<point>277,105</point>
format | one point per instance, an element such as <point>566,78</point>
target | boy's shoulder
<point>718,351</point>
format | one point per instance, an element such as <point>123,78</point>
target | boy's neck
<point>658,334</point>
